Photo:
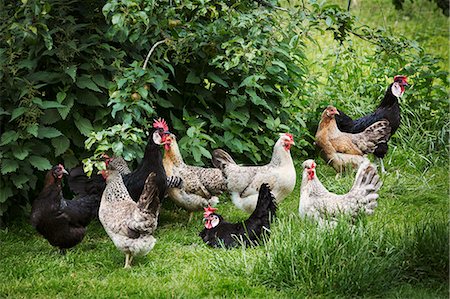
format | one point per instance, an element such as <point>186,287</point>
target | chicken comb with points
<point>400,78</point>
<point>160,123</point>
<point>208,211</point>
<point>290,136</point>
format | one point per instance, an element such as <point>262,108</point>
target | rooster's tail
<point>220,158</point>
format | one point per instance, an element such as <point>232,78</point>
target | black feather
<point>62,222</point>
<point>388,109</point>
<point>251,231</point>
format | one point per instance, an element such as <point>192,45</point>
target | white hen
<point>243,182</point>
<point>324,206</point>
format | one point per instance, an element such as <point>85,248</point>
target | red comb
<point>290,136</point>
<point>313,165</point>
<point>400,78</point>
<point>208,211</point>
<point>160,123</point>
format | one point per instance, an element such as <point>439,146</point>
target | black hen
<point>80,184</point>
<point>388,109</point>
<point>62,222</point>
<point>218,232</point>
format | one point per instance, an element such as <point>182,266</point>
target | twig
<point>151,51</point>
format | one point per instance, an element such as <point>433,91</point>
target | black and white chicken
<point>218,232</point>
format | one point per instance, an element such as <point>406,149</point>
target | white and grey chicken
<point>200,185</point>
<point>243,182</point>
<point>129,224</point>
<point>317,202</point>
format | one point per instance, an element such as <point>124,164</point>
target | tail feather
<point>377,133</point>
<point>367,184</point>
<point>149,200</point>
<point>220,158</point>
<point>265,207</point>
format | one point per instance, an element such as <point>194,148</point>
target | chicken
<point>79,183</point>
<point>388,109</point>
<point>62,222</point>
<point>218,232</point>
<point>324,206</point>
<point>243,181</point>
<point>200,185</point>
<point>341,148</point>
<point>130,225</point>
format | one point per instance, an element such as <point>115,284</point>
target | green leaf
<point>5,193</point>
<point>196,153</point>
<point>205,152</point>
<point>33,129</point>
<point>61,144</point>
<point>256,99</point>
<point>19,180</point>
<point>251,81</point>
<point>64,112</point>
<point>72,72</point>
<point>50,105</point>
<point>9,166</point>
<point>20,153</point>
<point>117,148</point>
<point>17,112</point>
<point>60,96</point>
<point>9,137</point>
<point>48,132</point>
<point>40,163</point>
<point>143,92</point>
<point>160,83</point>
<point>190,132</point>
<point>100,80</point>
<point>83,125</point>
<point>280,64</point>
<point>85,82</point>
<point>217,79</point>
<point>88,98</point>
<point>193,78</point>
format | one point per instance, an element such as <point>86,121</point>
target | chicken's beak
<point>65,172</point>
<point>337,113</point>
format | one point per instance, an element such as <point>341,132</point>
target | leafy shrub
<point>228,74</point>
<point>55,66</point>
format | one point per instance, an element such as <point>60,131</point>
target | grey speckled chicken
<point>129,224</point>
<point>324,206</point>
<point>200,185</point>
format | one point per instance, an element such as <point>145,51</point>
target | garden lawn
<point>399,252</point>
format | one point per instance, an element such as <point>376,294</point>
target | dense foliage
<point>230,74</point>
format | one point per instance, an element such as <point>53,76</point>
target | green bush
<point>228,74</point>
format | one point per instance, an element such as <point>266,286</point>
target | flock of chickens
<point>128,203</point>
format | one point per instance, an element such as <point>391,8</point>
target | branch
<point>151,51</point>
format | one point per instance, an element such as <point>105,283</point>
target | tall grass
<point>350,260</point>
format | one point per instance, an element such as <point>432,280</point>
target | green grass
<point>399,252</point>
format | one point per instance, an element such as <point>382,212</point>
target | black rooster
<point>218,232</point>
<point>388,109</point>
<point>62,222</point>
<point>79,183</point>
